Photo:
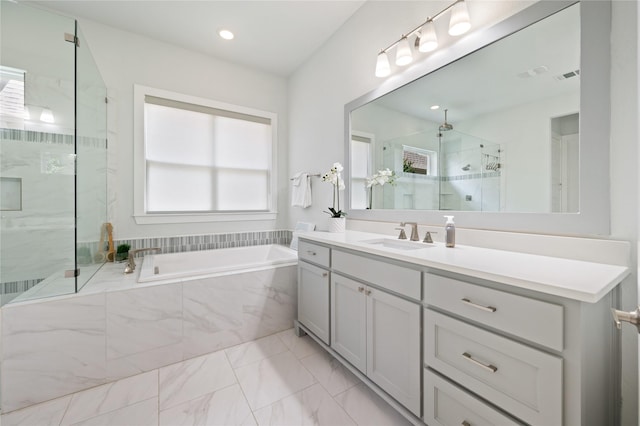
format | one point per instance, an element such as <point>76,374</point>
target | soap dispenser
<point>450,232</point>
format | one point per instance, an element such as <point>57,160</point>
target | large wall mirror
<point>507,129</point>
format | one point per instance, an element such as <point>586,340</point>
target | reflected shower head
<point>445,127</point>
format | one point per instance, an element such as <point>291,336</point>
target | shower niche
<point>53,155</point>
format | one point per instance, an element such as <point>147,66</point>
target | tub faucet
<point>414,230</point>
<point>131,263</point>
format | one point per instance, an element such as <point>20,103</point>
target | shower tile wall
<point>38,239</point>
<point>466,184</point>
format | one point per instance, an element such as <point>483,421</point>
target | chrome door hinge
<point>71,273</point>
<point>72,39</point>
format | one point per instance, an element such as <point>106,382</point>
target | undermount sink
<point>397,244</point>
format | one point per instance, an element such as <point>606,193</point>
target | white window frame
<point>139,167</point>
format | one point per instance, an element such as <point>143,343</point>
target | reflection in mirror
<point>495,131</point>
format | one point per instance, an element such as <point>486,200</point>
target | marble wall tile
<point>52,348</point>
<point>267,381</point>
<point>144,329</point>
<point>212,315</point>
<point>226,407</point>
<point>111,397</point>
<point>193,378</point>
<point>143,413</point>
<point>311,406</point>
<point>270,301</point>
<point>45,414</point>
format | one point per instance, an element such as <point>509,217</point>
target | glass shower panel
<point>93,246</point>
<point>470,173</point>
<point>37,158</point>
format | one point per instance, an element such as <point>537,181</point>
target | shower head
<point>445,127</point>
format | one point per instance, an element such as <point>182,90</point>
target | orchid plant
<point>380,178</point>
<point>334,177</point>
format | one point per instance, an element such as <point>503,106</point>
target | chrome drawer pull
<point>465,423</point>
<point>488,367</point>
<point>312,253</point>
<point>482,308</point>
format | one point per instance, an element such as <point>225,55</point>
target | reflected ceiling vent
<point>533,72</point>
<point>567,75</point>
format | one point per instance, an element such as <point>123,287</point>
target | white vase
<point>337,224</point>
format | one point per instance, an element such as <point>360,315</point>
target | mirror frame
<point>595,109</point>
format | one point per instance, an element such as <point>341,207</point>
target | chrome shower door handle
<point>632,317</point>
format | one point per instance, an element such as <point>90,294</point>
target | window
<point>419,161</point>
<point>200,160</point>
<point>360,169</point>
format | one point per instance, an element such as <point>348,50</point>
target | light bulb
<point>383,68</point>
<point>460,22</point>
<point>46,115</point>
<point>226,34</point>
<point>428,38</point>
<point>403,53</point>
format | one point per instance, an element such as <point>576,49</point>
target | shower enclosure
<point>53,155</point>
<point>442,169</point>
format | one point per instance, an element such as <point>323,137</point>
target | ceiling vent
<point>567,75</point>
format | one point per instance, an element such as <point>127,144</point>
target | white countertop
<point>572,279</point>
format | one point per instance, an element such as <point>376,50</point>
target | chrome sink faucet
<point>131,263</point>
<point>414,230</point>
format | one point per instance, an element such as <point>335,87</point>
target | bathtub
<point>208,263</point>
<point>202,302</point>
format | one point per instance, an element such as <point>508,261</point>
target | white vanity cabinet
<point>313,289</point>
<point>469,336</point>
<point>515,351</point>
<point>379,334</point>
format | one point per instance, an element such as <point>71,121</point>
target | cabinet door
<point>393,347</point>
<point>313,299</point>
<point>348,320</point>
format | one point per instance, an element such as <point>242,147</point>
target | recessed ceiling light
<point>435,107</point>
<point>226,34</point>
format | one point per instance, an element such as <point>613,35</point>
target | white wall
<point>343,70</point>
<point>125,59</point>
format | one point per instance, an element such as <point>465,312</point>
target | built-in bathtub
<point>118,327</point>
<point>209,263</point>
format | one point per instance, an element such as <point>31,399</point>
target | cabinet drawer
<point>313,253</point>
<point>530,319</point>
<point>523,381</point>
<point>393,277</point>
<point>449,405</point>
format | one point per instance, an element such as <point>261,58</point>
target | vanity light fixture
<point>426,37</point>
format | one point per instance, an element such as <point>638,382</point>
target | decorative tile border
<point>211,241</point>
<point>18,286</point>
<point>470,176</point>
<point>50,138</point>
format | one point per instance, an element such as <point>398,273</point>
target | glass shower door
<point>37,158</point>
<point>92,229</point>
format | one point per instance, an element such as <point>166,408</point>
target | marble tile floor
<point>276,380</point>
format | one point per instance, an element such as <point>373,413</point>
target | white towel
<point>301,190</point>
